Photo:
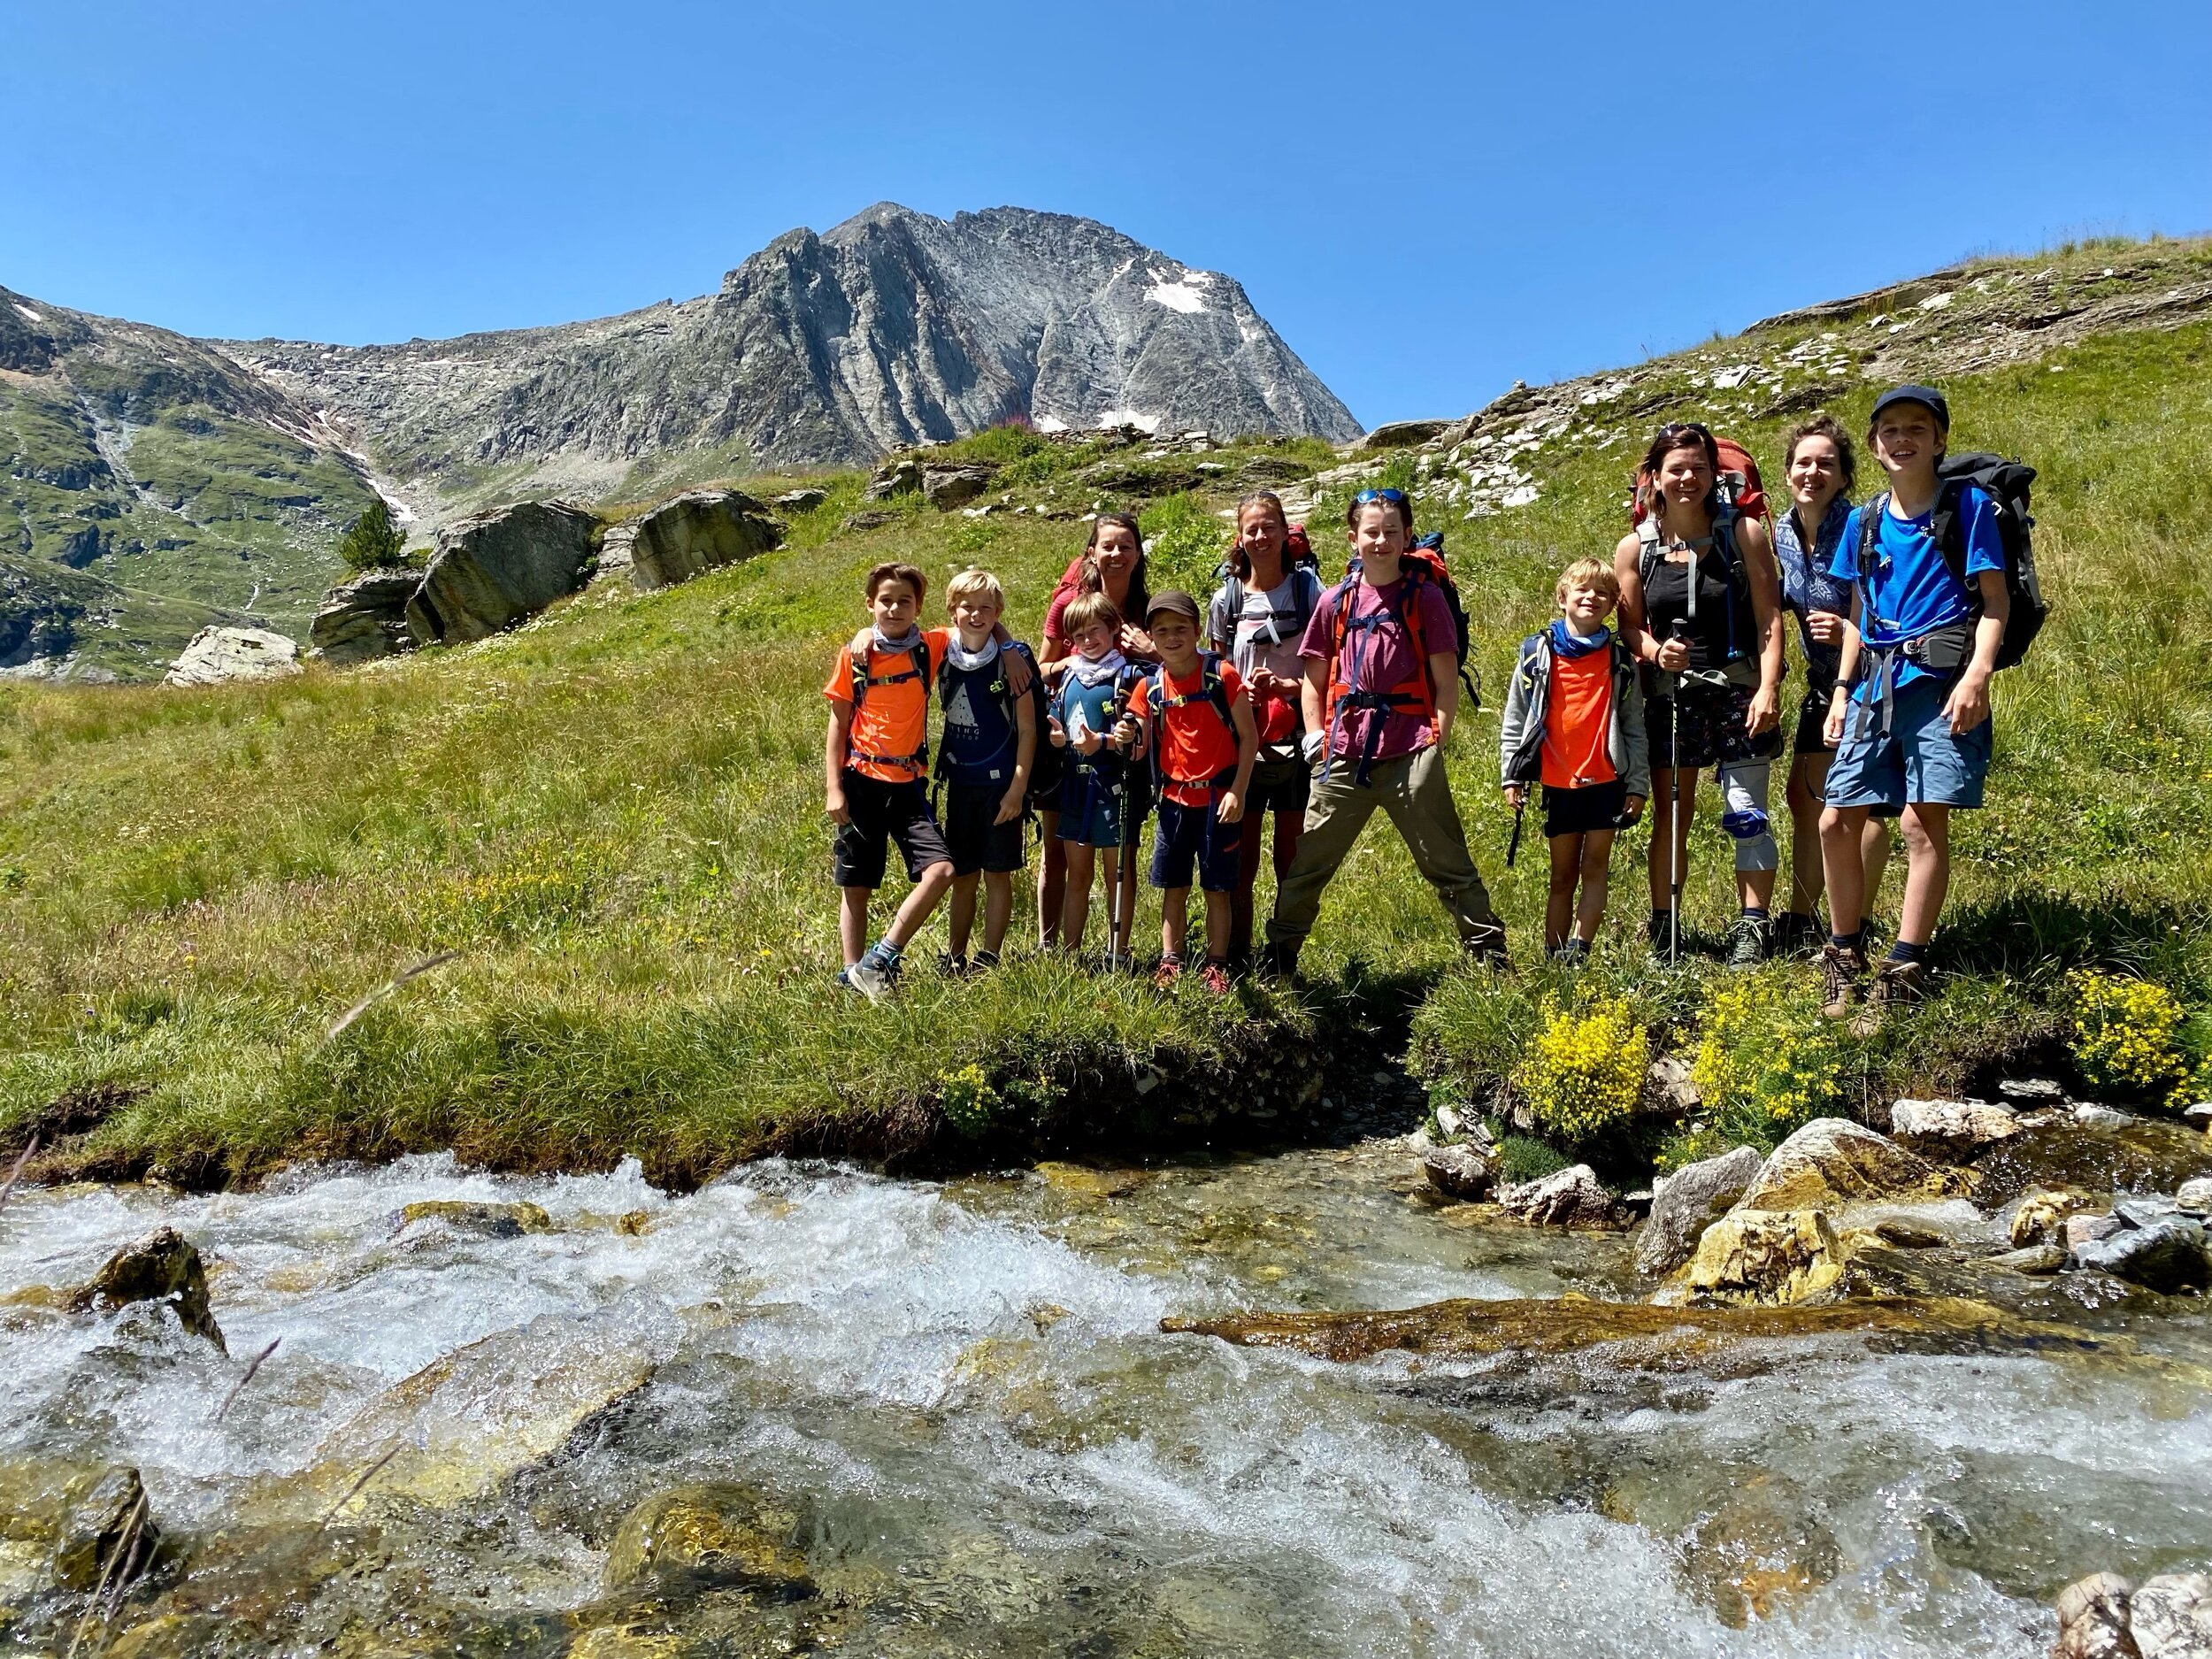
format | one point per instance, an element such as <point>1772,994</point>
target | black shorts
<point>1192,836</point>
<point>1278,786</point>
<point>881,813</point>
<point>976,840</point>
<point>1812,722</point>
<point>1596,806</point>
<point>1706,728</point>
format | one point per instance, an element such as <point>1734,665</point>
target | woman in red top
<point>1113,564</point>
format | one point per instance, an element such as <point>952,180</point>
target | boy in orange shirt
<point>1196,721</point>
<point>1574,724</point>
<point>876,765</point>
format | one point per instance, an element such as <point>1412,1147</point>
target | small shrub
<point>1767,1063</point>
<point>1184,545</point>
<point>1583,1071</point>
<point>1524,1158</point>
<point>2128,1037</point>
<point>968,1100</point>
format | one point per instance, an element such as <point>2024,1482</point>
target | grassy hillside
<point>612,816</point>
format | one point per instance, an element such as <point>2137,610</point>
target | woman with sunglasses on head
<point>1701,605</point>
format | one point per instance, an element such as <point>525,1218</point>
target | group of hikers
<point>1310,706</point>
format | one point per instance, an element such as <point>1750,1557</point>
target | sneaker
<point>1214,976</point>
<point>1842,979</point>
<point>1572,953</point>
<point>950,967</point>
<point>845,979</point>
<point>984,962</point>
<point>1170,969</point>
<point>876,975</point>
<point>1895,985</point>
<point>1797,936</point>
<point>1120,961</point>
<point>1749,942</point>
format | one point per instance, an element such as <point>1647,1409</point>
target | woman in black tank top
<point>1701,607</point>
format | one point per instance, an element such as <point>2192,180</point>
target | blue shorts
<point>1918,763</point>
<point>1192,835</point>
<point>1093,807</point>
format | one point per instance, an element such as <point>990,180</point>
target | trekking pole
<point>1513,846</point>
<point>1680,630</point>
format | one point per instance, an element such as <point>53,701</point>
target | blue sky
<point>1427,201</point>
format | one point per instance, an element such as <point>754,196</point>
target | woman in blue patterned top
<point>1820,465</point>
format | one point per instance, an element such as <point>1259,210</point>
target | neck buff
<point>1567,643</point>
<point>1100,672</point>
<point>965,660</point>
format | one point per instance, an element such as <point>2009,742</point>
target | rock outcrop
<point>1571,1197</point>
<point>1955,1129</point>
<point>1766,1258</point>
<point>220,654</point>
<point>1683,1204</point>
<point>948,487</point>
<point>162,1266</point>
<point>697,531</point>
<point>500,568</point>
<point>2104,1617</point>
<point>1831,1162</point>
<point>1459,1172</point>
<point>365,617</point>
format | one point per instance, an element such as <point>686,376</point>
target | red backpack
<point>1740,486</point>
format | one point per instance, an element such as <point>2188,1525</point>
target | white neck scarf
<point>965,660</point>
<point>1099,672</point>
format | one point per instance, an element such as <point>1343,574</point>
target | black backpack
<point>2008,485</point>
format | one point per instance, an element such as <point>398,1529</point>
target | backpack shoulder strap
<point>1647,546</point>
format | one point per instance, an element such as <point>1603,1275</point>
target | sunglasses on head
<point>1395,497</point>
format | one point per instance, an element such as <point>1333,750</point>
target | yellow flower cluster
<point>2127,1036</point>
<point>968,1099</point>
<point>542,887</point>
<point>1583,1071</point>
<point>1764,1064</point>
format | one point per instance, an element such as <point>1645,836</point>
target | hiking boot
<point>1487,946</point>
<point>1572,953</point>
<point>1170,969</point>
<point>983,962</point>
<point>1895,985</point>
<point>1749,942</point>
<point>1664,935</point>
<point>1214,976</point>
<point>1842,979</point>
<point>1278,961</point>
<point>950,967</point>
<point>1797,936</point>
<point>876,975</point>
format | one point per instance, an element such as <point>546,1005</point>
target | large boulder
<point>220,654</point>
<point>1459,1172</point>
<point>364,619</point>
<point>1399,434</point>
<point>1831,1162</point>
<point>2169,1256</point>
<point>500,568</point>
<point>697,531</point>
<point>1955,1129</point>
<point>1572,1197</point>
<point>1766,1258</point>
<point>162,1266</point>
<point>1683,1204</point>
<point>901,477</point>
<point>948,487</point>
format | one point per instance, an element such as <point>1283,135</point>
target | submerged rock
<point>2093,1619</point>
<point>2036,1259</point>
<point>1571,1197</point>
<point>2040,1216</point>
<point>2169,1256</point>
<point>108,1534</point>
<point>697,531</point>
<point>163,1266</point>
<point>1833,1161</point>
<point>1459,1171</point>
<point>2196,1195</point>
<point>1950,1128</point>
<point>494,1221</point>
<point>713,1535</point>
<point>1685,1203</point>
<point>1766,1258</point>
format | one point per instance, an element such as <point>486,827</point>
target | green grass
<point>614,817</point>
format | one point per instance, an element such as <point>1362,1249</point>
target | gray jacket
<point>1528,698</point>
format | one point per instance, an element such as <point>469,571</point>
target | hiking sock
<point>1905,950</point>
<point>1754,913</point>
<point>1851,941</point>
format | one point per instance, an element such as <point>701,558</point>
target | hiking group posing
<point>1289,706</point>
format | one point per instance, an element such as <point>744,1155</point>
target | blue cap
<point>1926,395</point>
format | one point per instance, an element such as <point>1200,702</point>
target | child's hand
<point>1231,808</point>
<point>1826,626</point>
<point>1968,705</point>
<point>1010,806</point>
<point>1126,734</point>
<point>1057,731</point>
<point>1516,796</point>
<point>1089,743</point>
<point>1017,673</point>
<point>839,812</point>
<point>1632,808</point>
<point>862,641</point>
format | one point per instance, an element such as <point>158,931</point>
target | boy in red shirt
<point>1574,724</point>
<point>876,765</point>
<point>1196,721</point>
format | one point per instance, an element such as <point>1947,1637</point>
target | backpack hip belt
<point>1943,650</point>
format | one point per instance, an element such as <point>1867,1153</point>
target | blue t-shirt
<point>1910,592</point>
<point>980,741</point>
<point>1101,706</point>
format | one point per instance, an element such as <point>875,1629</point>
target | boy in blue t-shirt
<point>990,741</point>
<point>1910,711</point>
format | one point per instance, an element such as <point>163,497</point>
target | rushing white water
<point>966,1387</point>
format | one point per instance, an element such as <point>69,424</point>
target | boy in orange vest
<point>1197,725</point>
